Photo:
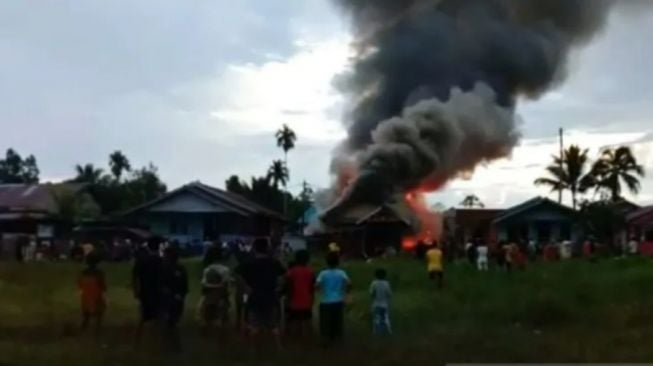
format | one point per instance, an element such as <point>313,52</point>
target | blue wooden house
<point>539,219</point>
<point>197,212</point>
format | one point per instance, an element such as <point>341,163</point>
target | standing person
<point>92,288</point>
<point>470,252</point>
<point>262,277</point>
<point>334,284</point>
<point>174,288</point>
<point>482,257</point>
<point>334,248</point>
<point>381,293</point>
<point>509,253</point>
<point>633,246</point>
<point>146,284</point>
<point>301,287</point>
<point>434,265</point>
<point>216,282</point>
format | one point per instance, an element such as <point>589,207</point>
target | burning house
<point>433,90</point>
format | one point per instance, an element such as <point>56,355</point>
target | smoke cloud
<point>434,83</point>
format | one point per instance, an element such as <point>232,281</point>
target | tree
<point>568,174</point>
<point>118,163</point>
<point>235,185</point>
<point>14,169</point>
<point>286,139</point>
<point>144,185</point>
<point>614,167</point>
<point>472,201</point>
<point>278,173</point>
<point>88,174</point>
<point>74,205</point>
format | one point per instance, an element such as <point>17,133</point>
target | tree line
<point>270,188</point>
<point>119,186</point>
<point>114,190</point>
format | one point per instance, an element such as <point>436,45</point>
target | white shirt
<point>481,250</point>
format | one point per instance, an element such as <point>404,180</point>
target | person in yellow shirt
<point>434,265</point>
<point>334,248</point>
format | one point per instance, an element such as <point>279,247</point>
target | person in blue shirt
<point>334,285</point>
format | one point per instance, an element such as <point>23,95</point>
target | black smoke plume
<point>434,83</point>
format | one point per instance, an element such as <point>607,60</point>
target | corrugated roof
<point>640,216</point>
<point>33,197</point>
<point>530,204</point>
<point>359,214</point>
<point>232,201</point>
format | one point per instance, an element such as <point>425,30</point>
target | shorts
<point>436,274</point>
<point>263,317</point>
<point>150,309</point>
<point>332,320</point>
<point>172,312</point>
<point>300,315</point>
<point>212,311</point>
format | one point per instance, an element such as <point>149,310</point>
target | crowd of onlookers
<point>256,288</point>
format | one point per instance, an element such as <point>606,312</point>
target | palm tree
<point>614,167</point>
<point>568,174</point>
<point>278,173</point>
<point>286,138</point>
<point>88,174</point>
<point>472,201</point>
<point>118,163</point>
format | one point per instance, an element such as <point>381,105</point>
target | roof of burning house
<point>366,213</point>
<point>226,201</point>
<point>34,197</point>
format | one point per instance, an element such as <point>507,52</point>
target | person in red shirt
<point>92,287</point>
<point>301,287</point>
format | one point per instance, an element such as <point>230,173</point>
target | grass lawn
<point>563,312</point>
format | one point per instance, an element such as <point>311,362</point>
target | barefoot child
<point>381,294</point>
<point>92,287</point>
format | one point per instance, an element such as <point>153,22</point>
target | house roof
<point>230,201</point>
<point>363,213</point>
<point>530,205</point>
<point>473,216</point>
<point>33,197</point>
<point>641,216</point>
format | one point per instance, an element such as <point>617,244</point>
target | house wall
<point>526,225</point>
<point>187,203</point>
<point>188,228</point>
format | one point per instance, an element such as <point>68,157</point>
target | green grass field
<point>563,312</point>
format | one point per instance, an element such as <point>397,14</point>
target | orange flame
<point>430,221</point>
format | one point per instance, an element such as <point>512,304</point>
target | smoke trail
<point>434,82</point>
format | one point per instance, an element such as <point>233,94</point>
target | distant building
<point>365,230</point>
<point>36,209</point>
<point>640,228</point>
<point>39,213</point>
<point>196,212</point>
<point>539,219</point>
<point>466,224</point>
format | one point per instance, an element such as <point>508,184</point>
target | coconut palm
<point>286,138</point>
<point>88,174</point>
<point>616,167</point>
<point>278,173</point>
<point>118,163</point>
<point>472,201</point>
<point>568,174</point>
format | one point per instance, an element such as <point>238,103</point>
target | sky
<point>199,87</point>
